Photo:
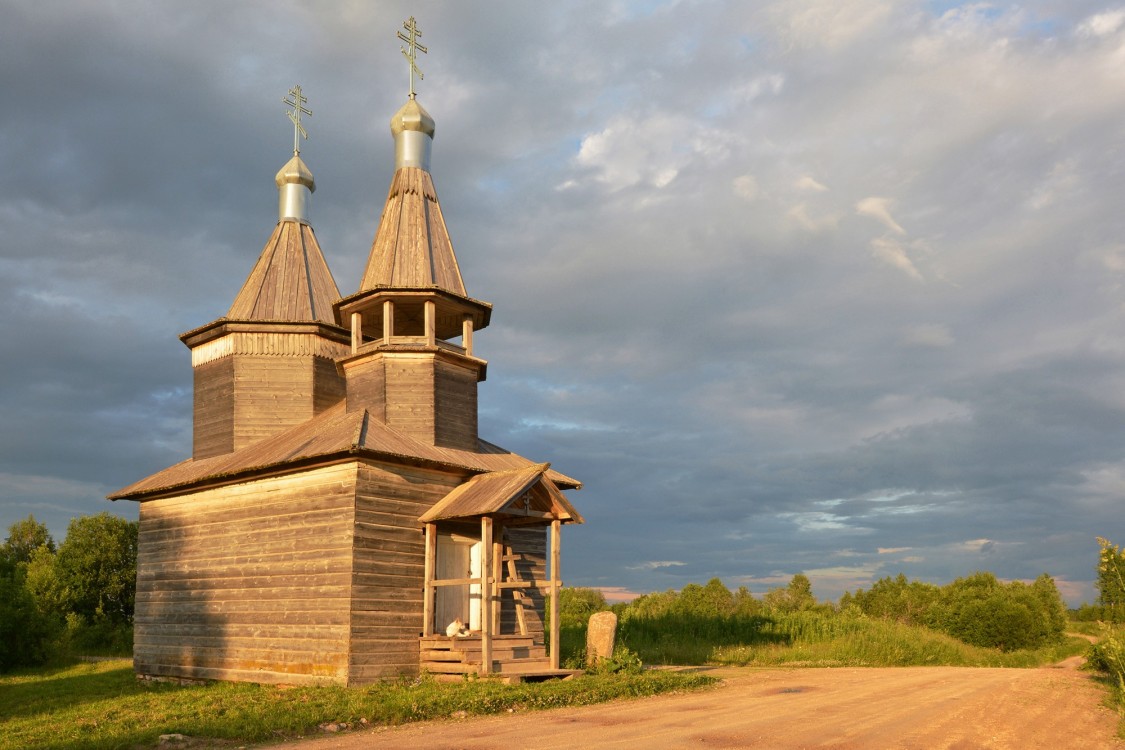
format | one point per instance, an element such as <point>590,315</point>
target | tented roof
<point>290,282</point>
<point>412,246</point>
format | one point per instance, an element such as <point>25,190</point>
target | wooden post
<point>485,594</point>
<point>431,323</point>
<point>428,580</point>
<point>497,576</point>
<point>388,320</point>
<point>556,539</point>
<point>467,334</point>
<point>357,331</point>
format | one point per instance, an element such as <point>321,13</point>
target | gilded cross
<point>297,100</point>
<point>412,56</point>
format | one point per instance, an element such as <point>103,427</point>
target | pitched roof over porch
<point>522,495</point>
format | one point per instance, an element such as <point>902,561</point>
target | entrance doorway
<point>457,557</point>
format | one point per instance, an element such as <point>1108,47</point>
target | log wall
<point>243,398</point>
<point>248,582</point>
<point>455,397</point>
<point>213,409</point>
<point>386,609</point>
<point>409,396</point>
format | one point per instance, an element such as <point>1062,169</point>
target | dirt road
<point>919,707</point>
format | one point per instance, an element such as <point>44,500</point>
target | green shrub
<point>1107,655</point>
<point>977,609</point>
<point>25,633</point>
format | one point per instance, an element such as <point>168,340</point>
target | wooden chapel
<point>339,509</point>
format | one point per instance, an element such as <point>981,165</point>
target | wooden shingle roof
<point>290,282</point>
<point>412,246</point>
<point>527,492</point>
<point>336,434</point>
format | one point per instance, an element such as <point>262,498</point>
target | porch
<point>515,658</point>
<point>488,565</point>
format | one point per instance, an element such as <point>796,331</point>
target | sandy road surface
<point>928,708</point>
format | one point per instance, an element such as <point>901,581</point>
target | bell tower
<point>412,363</point>
<point>269,364</point>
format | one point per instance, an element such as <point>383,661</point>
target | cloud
<point>800,214</point>
<point>879,209</point>
<point>650,151</point>
<point>658,564</point>
<point>747,187</point>
<point>616,594</point>
<point>892,252</point>
<point>683,318</point>
<point>1102,24</point>
<point>930,335</point>
<point>808,184</point>
<point>829,25</point>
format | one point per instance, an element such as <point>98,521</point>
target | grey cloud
<point>742,384</point>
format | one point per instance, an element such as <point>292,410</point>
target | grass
<point>102,705</point>
<point>810,639</point>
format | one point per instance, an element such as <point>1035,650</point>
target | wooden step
<point>498,652</point>
<point>473,641</point>
<point>439,655</point>
<point>504,667</point>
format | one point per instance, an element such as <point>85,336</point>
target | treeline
<point>978,609</point>
<point>67,599</point>
<point>699,621</point>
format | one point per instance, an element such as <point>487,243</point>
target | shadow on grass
<point>47,691</point>
<point>678,639</point>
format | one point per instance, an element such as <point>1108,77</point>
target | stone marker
<point>600,636</point>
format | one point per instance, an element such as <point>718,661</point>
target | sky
<point>798,286</point>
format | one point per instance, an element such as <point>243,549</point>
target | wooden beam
<point>455,581</point>
<point>388,320</point>
<point>357,331</point>
<point>497,577</point>
<point>485,591</point>
<point>428,579</point>
<point>431,322</point>
<point>556,557</point>
<point>467,334</point>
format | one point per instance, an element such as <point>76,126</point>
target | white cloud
<point>825,222</point>
<point>657,565</point>
<point>632,150</point>
<point>747,187</point>
<point>879,209</point>
<point>829,24</point>
<point>808,184</point>
<point>892,252</point>
<point>1101,24</point>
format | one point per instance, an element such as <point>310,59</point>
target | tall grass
<point>807,638</point>
<point>1108,657</point>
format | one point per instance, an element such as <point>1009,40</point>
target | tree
<point>577,604</point>
<point>795,597</point>
<point>96,568</point>
<point>712,600</point>
<point>24,537</point>
<point>24,632</point>
<point>908,602</point>
<point>1111,579</point>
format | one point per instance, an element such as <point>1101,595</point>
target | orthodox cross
<point>297,100</point>
<point>412,56</point>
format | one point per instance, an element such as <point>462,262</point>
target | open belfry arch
<point>339,509</point>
